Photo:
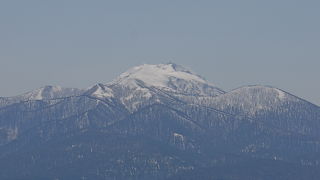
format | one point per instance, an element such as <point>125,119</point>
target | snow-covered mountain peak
<point>171,77</point>
<point>252,99</point>
<point>267,91</point>
<point>49,92</point>
<point>44,92</point>
<point>158,75</point>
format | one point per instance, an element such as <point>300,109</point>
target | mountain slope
<point>47,92</point>
<point>273,107</point>
<point>140,85</point>
<point>159,122</point>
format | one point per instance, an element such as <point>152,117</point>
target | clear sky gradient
<point>75,43</point>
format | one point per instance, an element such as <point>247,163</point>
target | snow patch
<point>103,92</point>
<point>37,96</point>
<point>281,94</point>
<point>12,133</point>
<point>179,136</point>
<point>179,140</point>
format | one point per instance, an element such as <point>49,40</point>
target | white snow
<point>168,77</point>
<point>177,135</point>
<point>104,92</point>
<point>135,87</point>
<point>252,99</point>
<point>37,96</point>
<point>12,133</point>
<point>147,95</point>
<point>268,91</point>
<point>47,92</point>
<point>281,94</point>
<point>157,75</point>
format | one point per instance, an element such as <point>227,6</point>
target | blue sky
<point>75,43</point>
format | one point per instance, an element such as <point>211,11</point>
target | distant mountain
<point>168,77</point>
<point>47,92</point>
<point>159,122</point>
<point>272,106</point>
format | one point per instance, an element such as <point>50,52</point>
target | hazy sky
<point>76,43</point>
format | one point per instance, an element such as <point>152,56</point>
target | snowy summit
<point>171,77</point>
<point>157,75</point>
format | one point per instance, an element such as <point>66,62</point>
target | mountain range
<point>159,122</point>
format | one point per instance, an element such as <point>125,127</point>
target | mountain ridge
<point>143,130</point>
<point>36,94</point>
